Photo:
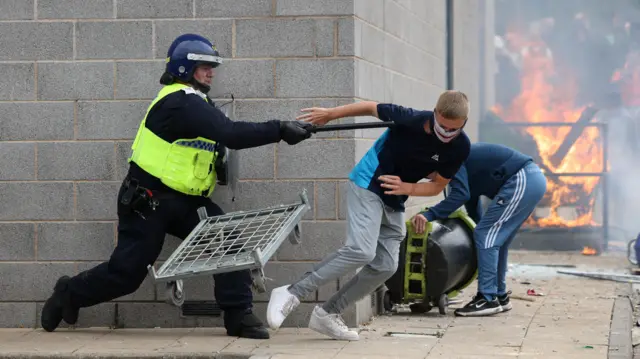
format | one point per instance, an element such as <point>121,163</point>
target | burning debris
<point>588,251</point>
<point>570,149</point>
<point>554,101</point>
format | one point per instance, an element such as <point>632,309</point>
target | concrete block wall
<point>468,17</point>
<point>401,57</point>
<point>76,77</point>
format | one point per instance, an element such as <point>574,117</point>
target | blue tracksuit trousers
<point>497,227</point>
<point>636,247</point>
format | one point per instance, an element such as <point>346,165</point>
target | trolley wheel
<point>420,308</point>
<point>174,293</point>
<point>294,236</point>
<point>442,304</point>
<point>386,302</point>
<point>631,253</point>
<point>258,281</point>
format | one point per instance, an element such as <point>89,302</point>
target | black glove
<point>293,132</point>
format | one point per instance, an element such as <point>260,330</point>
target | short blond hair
<point>453,105</point>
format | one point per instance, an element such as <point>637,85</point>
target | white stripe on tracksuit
<point>521,185</point>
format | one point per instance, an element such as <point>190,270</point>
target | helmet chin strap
<point>199,86</point>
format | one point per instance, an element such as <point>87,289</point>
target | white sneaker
<point>281,303</point>
<point>331,325</point>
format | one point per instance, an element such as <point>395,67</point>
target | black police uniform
<point>141,233</point>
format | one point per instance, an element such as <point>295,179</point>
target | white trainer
<point>331,325</point>
<point>281,304</point>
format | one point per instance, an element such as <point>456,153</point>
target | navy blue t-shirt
<point>408,152</point>
<point>490,165</point>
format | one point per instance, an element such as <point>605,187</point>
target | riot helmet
<point>186,53</point>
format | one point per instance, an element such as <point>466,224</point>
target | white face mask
<point>442,134</point>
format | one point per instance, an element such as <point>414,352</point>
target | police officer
<point>172,173</point>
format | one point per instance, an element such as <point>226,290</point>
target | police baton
<point>350,126</point>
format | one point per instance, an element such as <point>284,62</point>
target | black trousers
<point>139,244</point>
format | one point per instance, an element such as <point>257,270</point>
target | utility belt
<point>137,199</point>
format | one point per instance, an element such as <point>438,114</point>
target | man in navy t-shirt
<point>419,144</point>
<point>515,185</point>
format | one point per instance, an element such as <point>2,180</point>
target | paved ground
<point>571,320</point>
<point>635,331</point>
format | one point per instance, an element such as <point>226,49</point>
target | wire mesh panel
<point>232,242</point>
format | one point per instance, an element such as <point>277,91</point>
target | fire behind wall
<point>572,62</point>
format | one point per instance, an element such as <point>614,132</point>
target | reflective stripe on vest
<point>186,165</point>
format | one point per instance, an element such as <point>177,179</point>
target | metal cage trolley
<point>231,242</point>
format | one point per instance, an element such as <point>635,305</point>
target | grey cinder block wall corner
<point>77,76</point>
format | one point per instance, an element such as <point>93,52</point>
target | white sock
<point>322,312</point>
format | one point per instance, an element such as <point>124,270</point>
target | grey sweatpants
<point>374,234</point>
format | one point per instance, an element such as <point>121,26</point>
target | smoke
<point>624,174</point>
<point>593,48</point>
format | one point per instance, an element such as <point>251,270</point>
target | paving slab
<point>10,334</point>
<point>572,320</point>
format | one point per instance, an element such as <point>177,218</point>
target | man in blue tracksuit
<point>515,185</point>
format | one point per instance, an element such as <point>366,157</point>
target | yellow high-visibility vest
<point>186,165</point>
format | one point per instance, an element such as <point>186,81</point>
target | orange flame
<point>588,251</point>
<point>540,100</point>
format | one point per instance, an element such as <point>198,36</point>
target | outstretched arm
<point>211,123</point>
<point>364,108</point>
<point>386,112</point>
<point>321,116</point>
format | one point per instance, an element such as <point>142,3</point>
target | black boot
<point>58,307</point>
<point>244,324</point>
